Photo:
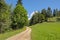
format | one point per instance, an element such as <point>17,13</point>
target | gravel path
<point>25,35</point>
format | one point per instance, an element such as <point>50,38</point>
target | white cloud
<point>32,14</point>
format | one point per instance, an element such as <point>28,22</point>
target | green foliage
<point>19,17</point>
<point>19,2</point>
<point>44,12</point>
<point>2,6</point>
<point>58,19</point>
<point>49,12</point>
<point>37,18</point>
<point>5,20</point>
<point>17,20</point>
<point>58,14</point>
<point>34,19</point>
<point>40,18</point>
<point>54,13</point>
<point>6,35</point>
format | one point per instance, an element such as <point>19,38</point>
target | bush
<point>58,19</point>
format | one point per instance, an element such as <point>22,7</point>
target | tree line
<point>12,20</point>
<point>17,18</point>
<point>44,16</point>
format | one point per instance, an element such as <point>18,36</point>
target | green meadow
<point>46,31</point>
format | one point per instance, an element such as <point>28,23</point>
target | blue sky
<point>33,5</point>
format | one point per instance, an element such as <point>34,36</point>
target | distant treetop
<point>19,2</point>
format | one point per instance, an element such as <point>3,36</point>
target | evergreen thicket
<point>15,19</point>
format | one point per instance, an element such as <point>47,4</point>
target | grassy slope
<point>46,31</point>
<point>11,33</point>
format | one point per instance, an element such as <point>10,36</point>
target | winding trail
<point>25,35</point>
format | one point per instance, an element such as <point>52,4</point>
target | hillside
<point>46,31</point>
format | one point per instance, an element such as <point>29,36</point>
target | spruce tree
<point>5,20</point>
<point>19,17</point>
<point>49,12</point>
<point>19,2</point>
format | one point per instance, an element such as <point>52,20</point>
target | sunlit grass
<point>46,31</point>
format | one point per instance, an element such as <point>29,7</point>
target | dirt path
<point>25,35</point>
